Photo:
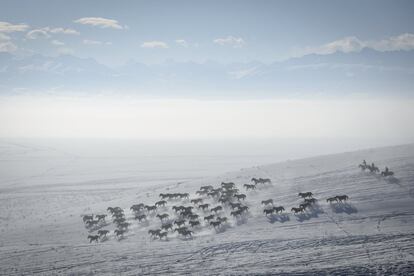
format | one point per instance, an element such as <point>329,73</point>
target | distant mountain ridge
<point>367,71</point>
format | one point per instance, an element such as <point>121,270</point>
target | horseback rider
<point>386,170</point>
<point>372,165</point>
<point>364,162</point>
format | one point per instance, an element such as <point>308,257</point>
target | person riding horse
<point>364,162</point>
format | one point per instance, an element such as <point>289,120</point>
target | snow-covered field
<point>42,231</point>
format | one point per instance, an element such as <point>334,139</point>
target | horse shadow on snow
<point>346,208</point>
<point>282,218</point>
<point>313,212</point>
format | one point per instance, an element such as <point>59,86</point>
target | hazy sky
<point>153,31</point>
<point>114,32</point>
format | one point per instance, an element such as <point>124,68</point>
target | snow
<point>42,231</point>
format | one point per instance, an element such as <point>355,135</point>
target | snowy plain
<point>45,191</point>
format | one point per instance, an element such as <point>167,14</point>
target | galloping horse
<point>240,196</point>
<point>297,210</point>
<point>163,216</point>
<point>103,233</point>
<point>215,223</point>
<point>305,195</point>
<point>160,203</point>
<point>342,198</point>
<point>93,238</point>
<point>194,223</point>
<point>279,209</point>
<point>268,211</point>
<point>268,201</point>
<point>216,209</point>
<point>249,187</point>
<point>331,199</point>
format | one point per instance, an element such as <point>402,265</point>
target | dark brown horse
<point>93,238</point>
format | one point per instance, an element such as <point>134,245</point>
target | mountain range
<point>367,72</point>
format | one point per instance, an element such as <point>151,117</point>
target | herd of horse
<point>308,202</point>
<point>207,209</point>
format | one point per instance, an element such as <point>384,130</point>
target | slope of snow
<point>42,230</point>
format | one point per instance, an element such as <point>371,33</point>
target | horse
<point>268,211</point>
<point>206,188</point>
<point>227,184</point>
<point>235,205</point>
<point>186,233</point>
<point>203,206</point>
<point>196,201</point>
<point>184,195</point>
<point>118,215</point>
<point>372,168</point>
<point>163,216</point>
<point>255,180</point>
<point>153,232</point>
<point>278,209</point>
<point>119,232</point>
<point>268,201</point>
<point>222,200</point>
<point>123,225</point>
<point>113,210</point>
<point>186,213</point>
<point>193,216</point>
<point>137,207</point>
<point>167,226</point>
<point>179,222</point>
<point>101,217</point>
<point>305,205</point>
<point>265,180</point>
<point>235,213</point>
<point>163,235</point>
<point>119,220</point>
<point>305,195</point>
<point>87,218</point>
<point>362,166</point>
<point>91,223</point>
<point>310,200</point>
<point>216,209</point>
<point>140,217</point>
<point>150,208</point>
<point>240,196</point>
<point>387,173</point>
<point>342,198</point>
<point>243,208</point>
<point>180,229</point>
<point>160,203</point>
<point>202,192</point>
<point>331,199</point>
<point>164,196</point>
<point>93,238</point>
<point>297,210</point>
<point>103,233</point>
<point>249,187</point>
<point>213,193</point>
<point>177,208</point>
<point>208,218</point>
<point>222,219</point>
<point>194,223</point>
<point>215,223</point>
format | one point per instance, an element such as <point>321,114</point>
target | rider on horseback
<point>364,162</point>
<point>386,170</point>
